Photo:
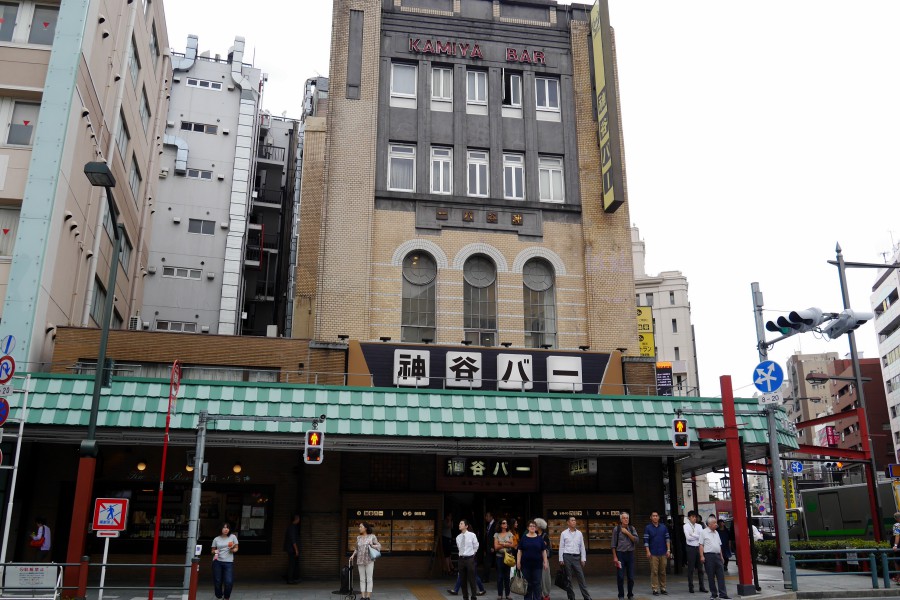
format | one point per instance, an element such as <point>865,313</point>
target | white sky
<point>757,135</point>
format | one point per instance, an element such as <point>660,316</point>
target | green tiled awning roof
<point>141,403</point>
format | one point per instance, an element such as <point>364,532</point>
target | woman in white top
<point>223,548</point>
<point>363,558</point>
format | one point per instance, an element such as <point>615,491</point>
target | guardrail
<point>873,558</point>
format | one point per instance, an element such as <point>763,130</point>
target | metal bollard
<point>195,574</point>
<point>792,563</point>
<point>873,566</point>
<point>885,569</point>
<point>83,577</point>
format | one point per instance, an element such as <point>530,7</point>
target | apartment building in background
<point>81,82</point>
<point>885,300</point>
<point>804,400</point>
<point>666,294</point>
<point>219,255</point>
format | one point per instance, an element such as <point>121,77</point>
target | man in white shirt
<point>467,544</point>
<point>692,531</point>
<point>573,557</point>
<point>711,557</point>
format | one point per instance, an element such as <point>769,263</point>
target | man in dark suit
<point>490,528</point>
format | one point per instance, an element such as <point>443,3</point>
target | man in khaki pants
<point>659,549</point>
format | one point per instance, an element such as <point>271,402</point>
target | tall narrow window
<point>553,188</point>
<point>441,170</point>
<point>539,304</point>
<point>154,45</point>
<point>419,274</point>
<point>43,25</point>
<point>403,85</point>
<point>674,325</point>
<point>512,90</point>
<point>546,93</point>
<point>8,13</point>
<point>125,250</point>
<point>122,137</point>
<point>480,300</point>
<point>134,63</point>
<point>99,302</point>
<point>134,180</point>
<point>442,84</point>
<point>650,303</point>
<point>672,298</point>
<point>476,87</point>
<point>514,176</point>
<point>402,168</point>
<point>677,353</point>
<point>23,124</point>
<point>145,110</point>
<point>477,173</point>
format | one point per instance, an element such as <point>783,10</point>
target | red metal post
<point>81,510</point>
<point>195,574</point>
<point>83,576</point>
<point>738,494</point>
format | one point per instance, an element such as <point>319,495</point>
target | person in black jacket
<point>292,548</point>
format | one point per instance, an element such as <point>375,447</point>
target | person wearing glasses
<point>503,544</point>
<point>531,560</point>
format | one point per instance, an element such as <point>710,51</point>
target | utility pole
<point>784,542</point>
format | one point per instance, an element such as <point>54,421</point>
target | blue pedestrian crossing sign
<point>768,376</point>
<point>796,466</point>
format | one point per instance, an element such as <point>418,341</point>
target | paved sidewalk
<point>601,588</point>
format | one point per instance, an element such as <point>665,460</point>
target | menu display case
<point>403,532</point>
<point>595,524</point>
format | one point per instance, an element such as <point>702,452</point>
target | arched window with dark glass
<point>540,304</point>
<point>480,300</point>
<point>419,274</point>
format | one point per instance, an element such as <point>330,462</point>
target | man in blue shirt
<point>659,549</point>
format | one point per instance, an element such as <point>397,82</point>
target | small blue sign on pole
<point>768,376</point>
<point>796,466</point>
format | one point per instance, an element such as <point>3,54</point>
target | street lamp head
<point>99,175</point>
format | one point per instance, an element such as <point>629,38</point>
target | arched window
<point>480,300</point>
<point>419,273</point>
<point>540,304</point>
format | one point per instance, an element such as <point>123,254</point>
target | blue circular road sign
<point>796,466</point>
<point>768,376</point>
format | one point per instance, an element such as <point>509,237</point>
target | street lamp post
<point>99,175</point>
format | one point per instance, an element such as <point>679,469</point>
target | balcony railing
<point>269,152</point>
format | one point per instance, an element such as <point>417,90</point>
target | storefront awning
<point>388,419</point>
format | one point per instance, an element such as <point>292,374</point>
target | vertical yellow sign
<point>790,492</point>
<point>607,121</point>
<point>646,343</point>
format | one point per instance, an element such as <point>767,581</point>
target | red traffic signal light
<point>681,435</point>
<point>314,450</point>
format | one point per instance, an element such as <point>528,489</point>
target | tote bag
<point>518,585</point>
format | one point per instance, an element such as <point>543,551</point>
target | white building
<point>667,294</point>
<point>886,307</point>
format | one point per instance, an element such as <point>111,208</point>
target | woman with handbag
<point>503,546</point>
<point>224,547</point>
<point>367,550</point>
<point>546,584</point>
<point>532,561</point>
<point>40,539</point>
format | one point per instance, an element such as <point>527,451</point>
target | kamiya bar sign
<point>472,50</point>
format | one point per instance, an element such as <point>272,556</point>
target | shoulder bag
<point>374,553</point>
<point>518,585</point>
<point>508,559</point>
<point>37,543</point>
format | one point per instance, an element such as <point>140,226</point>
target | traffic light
<point>846,321</point>
<point>314,450</point>
<point>797,321</point>
<point>681,434</point>
<point>834,466</point>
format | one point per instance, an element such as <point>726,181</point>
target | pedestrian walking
<point>467,543</point>
<point>725,536</point>
<point>292,549</point>
<point>573,557</point>
<point>487,545</point>
<point>40,540</point>
<point>223,548</point>
<point>692,531</point>
<point>712,558</point>
<point>546,584</point>
<point>624,538</point>
<point>503,545</point>
<point>365,564</point>
<point>659,550</point>
<point>531,560</point>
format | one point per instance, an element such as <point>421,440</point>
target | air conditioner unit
<point>134,323</point>
<point>151,269</point>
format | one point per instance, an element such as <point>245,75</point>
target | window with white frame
<point>134,63</point>
<point>145,110</point>
<point>403,85</point>
<point>480,300</point>
<point>23,123</point>
<point>477,173</point>
<point>108,224</point>
<point>476,87</point>
<point>441,170</point>
<point>154,44</point>
<point>550,177</point>
<point>122,136</point>
<point>201,226</point>
<point>199,174</point>
<point>402,168</point>
<point>182,273</point>
<point>125,250</point>
<point>442,84</point>
<point>181,326</point>
<point>512,89</point>
<point>539,303</point>
<point>203,83</point>
<point>546,93</point>
<point>418,313</point>
<point>200,127</point>
<point>514,176</point>
<point>8,13</point>
<point>43,25</point>
<point>134,180</point>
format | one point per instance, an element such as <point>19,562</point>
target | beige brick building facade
<point>355,231</point>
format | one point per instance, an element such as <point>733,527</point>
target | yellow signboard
<point>647,344</point>
<point>645,319</point>
<point>607,115</point>
<point>790,492</point>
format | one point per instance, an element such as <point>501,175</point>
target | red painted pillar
<point>738,498</point>
<point>81,510</point>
